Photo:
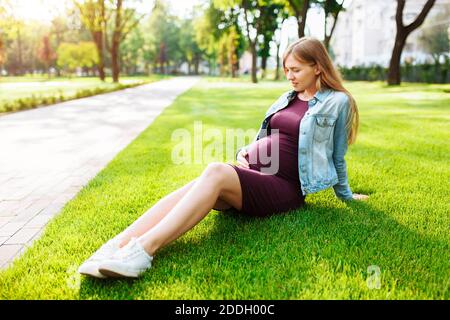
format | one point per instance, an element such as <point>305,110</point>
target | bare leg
<point>218,180</point>
<point>156,213</point>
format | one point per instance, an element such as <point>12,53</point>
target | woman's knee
<point>225,180</point>
<point>216,171</point>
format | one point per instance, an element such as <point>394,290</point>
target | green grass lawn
<point>328,250</point>
<point>15,88</point>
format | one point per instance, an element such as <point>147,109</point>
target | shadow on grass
<point>292,252</point>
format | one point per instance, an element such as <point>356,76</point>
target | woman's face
<point>301,75</point>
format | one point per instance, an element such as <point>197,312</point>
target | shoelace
<point>128,251</point>
<point>131,250</point>
<point>106,250</point>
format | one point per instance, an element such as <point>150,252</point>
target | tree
<point>207,34</point>
<point>93,16</point>
<point>46,54</point>
<point>234,43</point>
<point>68,26</point>
<point>125,20</point>
<point>434,38</point>
<point>219,36</point>
<point>11,30</point>
<point>2,43</point>
<point>58,28</point>
<point>253,25</point>
<point>269,24</point>
<point>283,14</point>
<point>132,51</point>
<point>71,56</point>
<point>331,8</point>
<point>87,55</point>
<point>2,53</point>
<point>18,28</point>
<point>22,41</point>
<point>400,38</point>
<point>162,37</point>
<point>188,45</point>
<point>152,35</point>
<point>229,51</point>
<point>253,28</point>
<point>67,57</point>
<point>175,55</point>
<point>300,9</point>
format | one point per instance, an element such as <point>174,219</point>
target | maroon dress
<point>264,192</point>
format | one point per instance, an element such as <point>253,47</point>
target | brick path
<point>48,154</point>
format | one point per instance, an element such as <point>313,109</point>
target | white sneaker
<point>106,251</point>
<point>130,261</point>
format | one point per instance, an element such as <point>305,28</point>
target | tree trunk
<point>196,64</point>
<point>115,46</point>
<point>254,57</point>
<point>231,65</point>
<point>444,70</point>
<point>326,43</point>
<point>115,60</point>
<point>162,57</point>
<point>98,40</point>
<point>58,42</point>
<point>394,65</point>
<point>300,14</point>
<point>210,66</point>
<point>277,70</point>
<point>302,22</point>
<point>301,28</point>
<point>161,67</point>
<point>19,44</point>
<point>252,44</point>
<point>263,66</point>
<point>394,77</point>
<point>327,37</point>
<point>235,68</point>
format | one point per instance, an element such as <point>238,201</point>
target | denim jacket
<point>322,141</point>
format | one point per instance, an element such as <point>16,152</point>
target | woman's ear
<point>317,70</point>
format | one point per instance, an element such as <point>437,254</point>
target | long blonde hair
<point>311,51</point>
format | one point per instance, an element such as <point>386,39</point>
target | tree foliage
<point>72,56</point>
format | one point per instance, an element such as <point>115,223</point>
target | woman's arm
<point>342,188</point>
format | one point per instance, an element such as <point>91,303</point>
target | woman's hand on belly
<point>241,160</point>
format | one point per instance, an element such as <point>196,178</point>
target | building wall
<point>365,32</point>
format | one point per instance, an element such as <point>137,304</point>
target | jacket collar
<point>320,95</point>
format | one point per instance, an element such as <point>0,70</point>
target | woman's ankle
<point>122,239</point>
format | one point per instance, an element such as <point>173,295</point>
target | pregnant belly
<point>275,154</point>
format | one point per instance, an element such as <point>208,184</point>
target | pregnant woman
<point>307,131</point>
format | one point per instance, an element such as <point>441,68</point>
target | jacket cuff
<point>343,192</point>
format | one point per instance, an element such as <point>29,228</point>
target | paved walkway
<point>48,154</point>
